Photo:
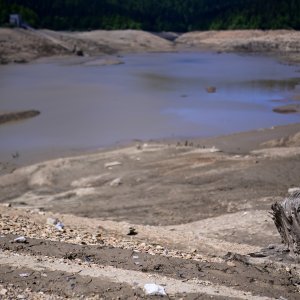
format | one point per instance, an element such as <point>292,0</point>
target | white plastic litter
<point>24,275</point>
<point>60,226</point>
<point>153,289</point>
<point>21,239</point>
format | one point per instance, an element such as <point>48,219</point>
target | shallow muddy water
<point>150,96</point>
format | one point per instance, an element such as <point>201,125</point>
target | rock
<point>116,182</point>
<point>132,231</point>
<point>112,164</point>
<point>3,292</point>
<point>211,89</point>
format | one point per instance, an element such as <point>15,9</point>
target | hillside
<point>152,15</point>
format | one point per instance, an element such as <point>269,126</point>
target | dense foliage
<point>155,15</point>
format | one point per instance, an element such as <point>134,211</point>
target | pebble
<point>116,182</point>
<point>112,164</point>
<point>3,292</point>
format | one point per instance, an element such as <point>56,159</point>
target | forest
<point>154,15</point>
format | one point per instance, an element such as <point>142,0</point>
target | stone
<point>211,89</point>
<point>3,292</point>
<point>116,182</point>
<point>112,164</point>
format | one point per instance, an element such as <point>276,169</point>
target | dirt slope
<point>18,45</point>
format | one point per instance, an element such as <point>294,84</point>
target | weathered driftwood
<point>286,215</point>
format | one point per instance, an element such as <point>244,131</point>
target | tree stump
<point>286,216</point>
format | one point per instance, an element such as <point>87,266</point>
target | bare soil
<point>20,45</point>
<point>200,215</point>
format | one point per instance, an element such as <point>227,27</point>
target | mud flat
<point>189,216</point>
<point>17,116</point>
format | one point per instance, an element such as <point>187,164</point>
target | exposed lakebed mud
<point>202,204</point>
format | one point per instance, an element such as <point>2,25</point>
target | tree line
<point>155,15</point>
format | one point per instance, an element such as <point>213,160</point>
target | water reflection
<point>288,84</point>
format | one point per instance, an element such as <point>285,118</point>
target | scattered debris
<point>132,231</point>
<point>116,182</point>
<point>21,239</point>
<point>153,289</point>
<point>55,222</point>
<point>112,164</point>
<point>52,221</point>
